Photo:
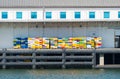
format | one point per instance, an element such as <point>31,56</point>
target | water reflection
<point>67,71</point>
<point>60,74</point>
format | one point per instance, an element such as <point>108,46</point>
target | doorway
<point>117,38</point>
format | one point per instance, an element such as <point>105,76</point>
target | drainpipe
<point>43,21</point>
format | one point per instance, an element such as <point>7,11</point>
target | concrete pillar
<point>33,66</point>
<point>4,59</point>
<point>72,60</point>
<point>4,67</point>
<point>94,58</point>
<point>63,60</point>
<point>34,60</point>
<point>101,60</point>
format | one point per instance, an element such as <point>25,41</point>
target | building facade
<point>64,18</point>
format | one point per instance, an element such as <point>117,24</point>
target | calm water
<point>61,74</point>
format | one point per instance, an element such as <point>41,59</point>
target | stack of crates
<point>68,43</point>
<point>20,43</point>
<point>61,43</point>
<point>76,43</point>
<point>90,43</point>
<point>17,43</point>
<point>38,43</point>
<point>31,43</point>
<point>35,43</point>
<point>82,42</point>
<point>24,43</point>
<point>98,42</point>
<point>46,43</point>
<point>53,43</point>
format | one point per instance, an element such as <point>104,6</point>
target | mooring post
<point>4,58</point>
<point>64,59</point>
<point>34,59</point>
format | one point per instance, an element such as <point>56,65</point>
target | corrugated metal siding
<point>107,37</point>
<point>20,30</point>
<point>35,30</point>
<point>39,3</point>
<point>8,31</point>
<point>6,35</point>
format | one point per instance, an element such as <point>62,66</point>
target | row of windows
<point>77,15</point>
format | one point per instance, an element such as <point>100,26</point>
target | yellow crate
<point>29,38</point>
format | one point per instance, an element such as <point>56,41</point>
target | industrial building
<point>60,18</point>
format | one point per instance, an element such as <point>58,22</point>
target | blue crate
<point>18,42</point>
<point>24,46</point>
<point>18,38</point>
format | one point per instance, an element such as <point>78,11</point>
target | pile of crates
<point>20,43</point>
<point>79,42</point>
<point>35,43</point>
<point>82,42</point>
<point>90,43</point>
<point>60,43</point>
<point>53,43</point>
<point>68,43</point>
<point>98,42</point>
<point>46,43</point>
<point>76,43</point>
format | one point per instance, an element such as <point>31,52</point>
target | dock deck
<point>55,57</point>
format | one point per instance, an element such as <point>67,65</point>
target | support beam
<point>94,58</point>
<point>4,59</point>
<point>34,60</point>
<point>63,60</point>
<point>101,61</point>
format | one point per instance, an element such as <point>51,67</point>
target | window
<point>106,14</point>
<point>77,15</point>
<point>62,15</point>
<point>19,15</point>
<point>91,14</point>
<point>4,15</point>
<point>119,14</point>
<point>48,15</point>
<point>33,15</point>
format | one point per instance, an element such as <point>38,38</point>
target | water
<point>60,74</point>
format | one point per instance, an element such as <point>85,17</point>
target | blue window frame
<point>62,15</point>
<point>91,14</point>
<point>18,15</point>
<point>4,15</point>
<point>106,14</point>
<point>77,15</point>
<point>48,15</point>
<point>119,14</point>
<point>33,15</point>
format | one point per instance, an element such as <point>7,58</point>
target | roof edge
<point>60,7</point>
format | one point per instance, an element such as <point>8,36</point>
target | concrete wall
<point>8,31</point>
